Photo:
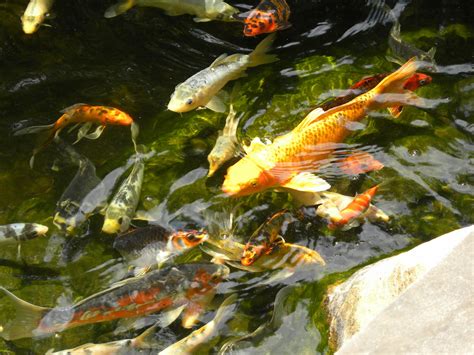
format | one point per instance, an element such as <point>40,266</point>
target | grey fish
<point>207,332</point>
<point>202,88</point>
<point>120,211</point>
<point>18,232</point>
<point>204,10</point>
<point>226,144</point>
<point>35,14</point>
<point>403,50</point>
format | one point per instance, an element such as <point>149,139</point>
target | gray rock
<point>419,301</point>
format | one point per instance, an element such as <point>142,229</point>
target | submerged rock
<point>409,302</point>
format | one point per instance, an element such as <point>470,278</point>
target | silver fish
<point>35,14</point>
<point>120,211</point>
<point>204,10</point>
<point>226,144</point>
<point>189,344</point>
<point>18,232</point>
<point>202,88</point>
<point>125,346</point>
<point>403,50</point>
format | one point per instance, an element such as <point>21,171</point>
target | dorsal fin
<point>218,60</point>
<point>313,116</point>
<point>256,145</point>
<point>72,107</point>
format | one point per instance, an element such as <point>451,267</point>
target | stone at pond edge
<point>357,304</point>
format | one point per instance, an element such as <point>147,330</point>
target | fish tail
<point>34,129</point>
<point>27,318</point>
<point>259,55</point>
<point>119,8</point>
<point>50,133</point>
<point>391,92</point>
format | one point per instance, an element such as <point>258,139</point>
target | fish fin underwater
<point>259,56</point>
<point>27,318</point>
<point>216,104</point>
<point>307,182</point>
<point>119,8</point>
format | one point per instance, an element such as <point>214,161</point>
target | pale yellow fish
<point>35,14</point>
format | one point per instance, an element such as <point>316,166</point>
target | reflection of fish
<point>189,344</point>
<point>166,289</point>
<point>353,210</point>
<point>269,16</point>
<point>201,89</point>
<point>144,247</point>
<point>35,14</point>
<point>80,114</point>
<point>204,10</point>
<point>226,144</point>
<point>366,84</point>
<point>404,50</point>
<point>359,163</point>
<point>120,211</point>
<point>286,162</point>
<point>18,232</point>
<point>125,346</point>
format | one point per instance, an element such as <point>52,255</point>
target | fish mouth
<point>176,107</point>
<point>42,230</point>
<point>231,190</point>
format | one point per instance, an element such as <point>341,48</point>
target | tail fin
<point>27,318</point>
<point>391,92</point>
<point>119,8</point>
<point>259,56</point>
<point>50,130</point>
<point>33,129</point>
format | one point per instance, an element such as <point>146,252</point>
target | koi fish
<point>160,290</point>
<point>403,50</point>
<point>119,213</point>
<point>80,114</point>
<point>204,10</point>
<point>202,88</point>
<point>226,144</point>
<point>366,84</point>
<point>18,232</point>
<point>35,14</point>
<point>359,163</point>
<point>189,344</point>
<point>354,210</point>
<point>286,162</point>
<point>269,16</point>
<point>125,346</point>
<point>144,247</point>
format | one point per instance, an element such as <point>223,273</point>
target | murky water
<point>134,62</point>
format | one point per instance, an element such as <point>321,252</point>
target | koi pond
<point>133,62</point>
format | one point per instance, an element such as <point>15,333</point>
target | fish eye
<point>422,82</point>
<point>189,101</point>
<point>254,183</point>
<point>190,237</point>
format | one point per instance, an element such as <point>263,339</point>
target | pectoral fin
<point>201,19</point>
<point>395,111</point>
<point>83,131</point>
<point>307,182</point>
<point>255,145</point>
<point>96,134</point>
<point>216,104</point>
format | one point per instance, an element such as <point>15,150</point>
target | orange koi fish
<point>359,163</point>
<point>81,114</point>
<point>269,16</point>
<point>353,210</point>
<point>287,162</point>
<point>161,290</point>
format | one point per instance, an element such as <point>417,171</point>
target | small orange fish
<point>359,163</point>
<point>269,16</point>
<point>354,210</point>
<point>290,159</point>
<point>80,114</point>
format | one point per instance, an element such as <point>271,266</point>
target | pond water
<point>134,62</point>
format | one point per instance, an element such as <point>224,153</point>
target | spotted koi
<point>269,16</point>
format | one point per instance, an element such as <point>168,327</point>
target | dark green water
<point>134,61</point>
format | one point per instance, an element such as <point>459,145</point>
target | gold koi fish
<point>35,14</point>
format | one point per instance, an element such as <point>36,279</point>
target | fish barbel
<point>189,344</point>
<point>18,232</point>
<point>144,247</point>
<point>287,162</point>
<point>226,144</point>
<point>201,89</point>
<point>159,290</point>
<point>119,213</point>
<point>80,114</point>
<point>35,14</point>
<point>269,16</point>
<point>204,10</point>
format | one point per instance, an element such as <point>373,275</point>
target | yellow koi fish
<point>288,161</point>
<point>35,14</point>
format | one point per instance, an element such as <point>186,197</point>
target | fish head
<point>188,239</point>
<point>246,177</point>
<point>31,24</point>
<point>111,226</point>
<point>417,80</point>
<point>121,118</point>
<point>185,99</point>
<point>252,253</point>
<point>259,22</point>
<point>40,230</point>
<point>206,278</point>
